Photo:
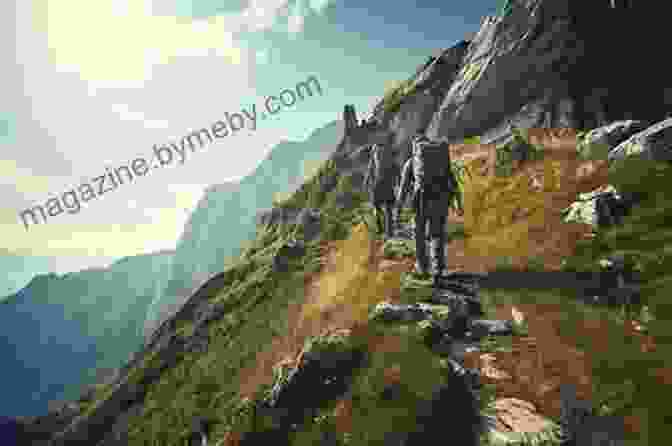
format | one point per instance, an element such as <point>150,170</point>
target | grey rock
<point>118,436</point>
<point>546,65</point>
<point>310,221</point>
<point>653,143</point>
<point>278,216</point>
<point>596,208</point>
<point>611,135</point>
<point>489,327</point>
<point>387,312</point>
<point>322,373</point>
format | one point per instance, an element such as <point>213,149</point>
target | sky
<point>97,84</point>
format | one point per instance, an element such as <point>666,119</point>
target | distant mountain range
<point>17,270</point>
<point>59,329</point>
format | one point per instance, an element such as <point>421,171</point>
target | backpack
<point>432,168</point>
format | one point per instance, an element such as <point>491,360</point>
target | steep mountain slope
<point>59,329</point>
<point>224,220</point>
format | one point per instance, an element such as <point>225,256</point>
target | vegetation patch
<point>394,97</point>
<point>645,241</point>
<point>398,248</point>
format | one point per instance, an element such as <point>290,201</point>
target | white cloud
<point>126,114</point>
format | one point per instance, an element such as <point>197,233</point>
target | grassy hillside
<point>345,272</point>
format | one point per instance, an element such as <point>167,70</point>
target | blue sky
<point>101,87</point>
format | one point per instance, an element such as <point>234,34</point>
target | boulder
<point>653,143</point>
<point>388,312</point>
<point>320,373</point>
<point>600,207</point>
<point>448,297</point>
<point>488,327</point>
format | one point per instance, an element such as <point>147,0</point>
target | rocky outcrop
<point>543,65</point>
<point>278,216</point>
<point>653,143</point>
<point>319,373</point>
<point>600,208</point>
<point>418,108</point>
<point>609,135</point>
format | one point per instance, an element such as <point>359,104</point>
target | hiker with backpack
<point>380,180</point>
<point>429,177</point>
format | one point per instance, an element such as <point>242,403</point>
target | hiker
<point>380,179</point>
<point>434,187</point>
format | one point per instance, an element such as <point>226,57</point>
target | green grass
<point>644,239</point>
<point>257,300</point>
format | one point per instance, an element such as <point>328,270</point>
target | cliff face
<point>547,64</point>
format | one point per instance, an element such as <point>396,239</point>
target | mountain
<point>224,219</point>
<point>16,271</point>
<point>59,329</point>
<point>237,346</point>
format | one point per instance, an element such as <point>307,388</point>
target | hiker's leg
<point>389,219</point>
<point>437,245</point>
<point>421,260</point>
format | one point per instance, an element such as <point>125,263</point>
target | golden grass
<point>520,216</point>
<point>354,281</point>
